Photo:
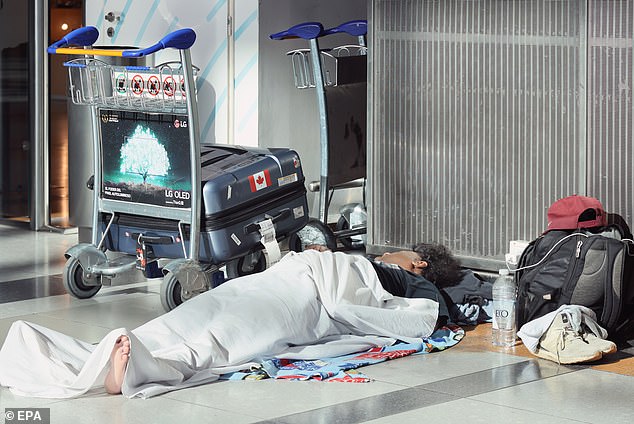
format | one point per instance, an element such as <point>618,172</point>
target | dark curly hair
<point>443,269</point>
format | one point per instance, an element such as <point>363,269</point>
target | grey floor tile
<point>107,409</point>
<point>269,399</point>
<point>586,395</point>
<point>47,302</point>
<point>9,400</point>
<point>472,412</point>
<point>86,319</point>
<point>33,306</point>
<point>426,368</point>
<point>85,332</point>
<point>363,410</point>
<point>27,254</point>
<point>65,302</point>
<point>128,311</point>
<point>498,377</point>
<point>31,288</point>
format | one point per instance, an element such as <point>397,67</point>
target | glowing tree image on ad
<point>142,154</point>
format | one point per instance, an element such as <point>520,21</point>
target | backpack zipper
<point>566,289</point>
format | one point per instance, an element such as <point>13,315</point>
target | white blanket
<point>309,305</point>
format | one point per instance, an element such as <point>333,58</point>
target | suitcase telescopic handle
<point>254,228</point>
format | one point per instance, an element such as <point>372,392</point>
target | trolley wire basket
<point>155,89</point>
<point>339,65</point>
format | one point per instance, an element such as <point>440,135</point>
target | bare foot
<point>118,361</point>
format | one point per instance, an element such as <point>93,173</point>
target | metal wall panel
<point>477,121</point>
<point>610,146</point>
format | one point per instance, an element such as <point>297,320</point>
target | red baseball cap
<point>574,212</point>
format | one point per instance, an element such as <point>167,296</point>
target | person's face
<point>406,259</point>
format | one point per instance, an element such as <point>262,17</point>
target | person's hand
<point>317,247</point>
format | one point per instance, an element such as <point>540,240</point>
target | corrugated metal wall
<point>480,108</point>
<point>610,143</point>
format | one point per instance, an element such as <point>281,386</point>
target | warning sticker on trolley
<point>137,85</point>
<point>153,85</point>
<point>169,86</point>
<point>148,84</point>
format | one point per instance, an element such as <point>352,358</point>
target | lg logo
<point>180,124</point>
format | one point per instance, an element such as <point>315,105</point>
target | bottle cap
<point>504,271</point>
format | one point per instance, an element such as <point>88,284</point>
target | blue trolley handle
<point>306,30</point>
<point>355,28</point>
<point>181,39</point>
<point>310,30</point>
<point>85,36</point>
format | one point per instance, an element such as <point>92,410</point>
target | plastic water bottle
<point>504,300</point>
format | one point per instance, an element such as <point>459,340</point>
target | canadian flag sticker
<point>260,180</point>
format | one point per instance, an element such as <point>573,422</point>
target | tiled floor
<point>470,382</point>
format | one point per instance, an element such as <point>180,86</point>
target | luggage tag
<point>269,241</point>
<point>146,261</point>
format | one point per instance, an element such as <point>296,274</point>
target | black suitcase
<point>241,186</point>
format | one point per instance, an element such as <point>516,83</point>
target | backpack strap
<point>617,221</point>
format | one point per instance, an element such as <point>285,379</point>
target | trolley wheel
<point>348,242</point>
<point>73,279</point>
<point>342,224</point>
<point>314,232</point>
<point>171,292</point>
<point>248,264</point>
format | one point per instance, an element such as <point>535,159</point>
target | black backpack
<point>593,268</point>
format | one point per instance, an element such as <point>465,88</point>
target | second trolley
<point>339,78</point>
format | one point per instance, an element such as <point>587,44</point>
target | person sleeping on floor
<point>309,305</point>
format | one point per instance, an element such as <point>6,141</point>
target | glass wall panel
<point>15,143</point>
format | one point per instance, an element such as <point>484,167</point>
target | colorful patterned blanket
<point>344,368</point>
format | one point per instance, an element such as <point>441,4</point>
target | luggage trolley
<point>339,77</point>
<point>148,187</point>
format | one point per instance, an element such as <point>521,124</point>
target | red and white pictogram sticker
<point>137,84</point>
<point>260,180</point>
<point>168,86</point>
<point>153,85</point>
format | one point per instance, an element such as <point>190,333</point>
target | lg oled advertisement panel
<point>145,158</point>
